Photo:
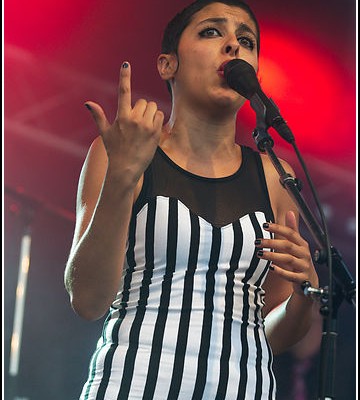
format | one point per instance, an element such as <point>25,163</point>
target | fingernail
<point>257,242</point>
<point>87,106</point>
<point>271,267</point>
<point>266,225</point>
<point>260,253</point>
<point>125,65</point>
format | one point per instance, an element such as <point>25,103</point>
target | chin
<point>231,100</point>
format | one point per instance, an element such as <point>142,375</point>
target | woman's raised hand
<point>131,140</point>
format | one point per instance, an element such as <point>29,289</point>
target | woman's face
<point>217,34</point>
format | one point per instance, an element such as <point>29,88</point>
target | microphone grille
<point>241,77</point>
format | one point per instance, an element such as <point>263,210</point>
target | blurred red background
<point>58,55</point>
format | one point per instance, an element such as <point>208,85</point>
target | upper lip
<point>222,66</point>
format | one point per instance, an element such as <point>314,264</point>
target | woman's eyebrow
<point>217,20</point>
<point>242,27</point>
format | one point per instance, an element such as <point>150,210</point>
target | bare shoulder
<point>270,170</point>
<point>279,197</point>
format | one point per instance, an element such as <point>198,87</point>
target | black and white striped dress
<point>186,323</point>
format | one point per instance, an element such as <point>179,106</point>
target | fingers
<point>139,109</point>
<point>158,120</point>
<point>139,123</point>
<point>99,116</point>
<point>288,266</point>
<point>290,221</point>
<point>297,277</point>
<point>290,254</point>
<point>124,95</point>
<point>289,231</point>
<point>142,110</point>
<point>282,246</point>
<point>290,241</point>
<point>148,113</point>
<point>285,261</point>
<point>153,116</point>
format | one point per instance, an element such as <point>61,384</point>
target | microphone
<point>241,77</point>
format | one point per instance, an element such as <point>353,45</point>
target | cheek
<point>252,60</point>
<point>197,58</point>
<point>194,65</point>
<point>195,52</point>
<point>256,65</point>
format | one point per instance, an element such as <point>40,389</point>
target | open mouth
<point>220,70</point>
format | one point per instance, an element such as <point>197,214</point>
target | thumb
<point>99,116</point>
<point>291,220</point>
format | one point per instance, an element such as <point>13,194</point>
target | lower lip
<point>221,73</point>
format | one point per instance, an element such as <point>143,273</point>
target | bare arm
<point>289,312</point>
<point>109,182</point>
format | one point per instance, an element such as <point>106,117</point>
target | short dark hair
<point>176,26</point>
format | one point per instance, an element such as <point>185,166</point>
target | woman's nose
<point>232,47</point>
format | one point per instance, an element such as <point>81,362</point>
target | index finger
<point>124,92</point>
<point>285,232</point>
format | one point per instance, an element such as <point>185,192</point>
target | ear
<point>167,65</point>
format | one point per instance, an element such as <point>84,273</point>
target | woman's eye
<point>209,32</point>
<point>246,42</point>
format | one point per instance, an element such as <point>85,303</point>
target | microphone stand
<point>343,287</point>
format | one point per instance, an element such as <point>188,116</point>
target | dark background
<point>58,55</point>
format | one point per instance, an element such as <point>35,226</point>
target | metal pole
<point>20,304</point>
<point>16,338</point>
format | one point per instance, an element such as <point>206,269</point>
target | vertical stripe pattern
<point>186,323</point>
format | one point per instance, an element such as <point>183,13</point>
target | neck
<point>199,133</point>
<point>202,144</point>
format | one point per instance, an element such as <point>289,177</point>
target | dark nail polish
<point>257,242</point>
<point>125,65</point>
<point>271,267</point>
<point>260,253</point>
<point>265,225</point>
<point>88,107</point>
